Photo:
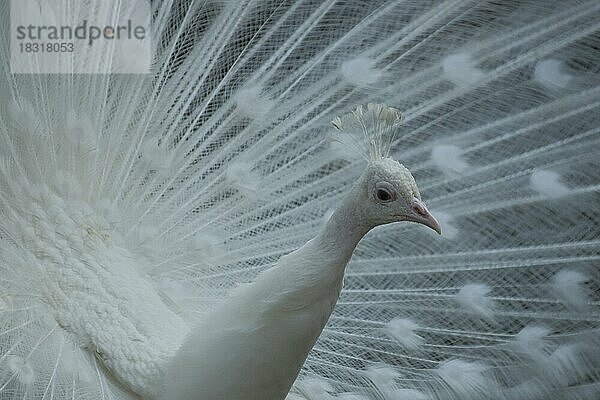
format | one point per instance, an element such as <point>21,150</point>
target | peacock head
<point>389,194</point>
<point>387,190</point>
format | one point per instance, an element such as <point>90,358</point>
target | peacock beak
<point>420,214</point>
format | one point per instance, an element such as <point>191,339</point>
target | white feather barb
<point>403,330</point>
<point>474,298</point>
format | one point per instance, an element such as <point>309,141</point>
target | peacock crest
<point>368,130</point>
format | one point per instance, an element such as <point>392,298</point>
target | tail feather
<point>211,168</point>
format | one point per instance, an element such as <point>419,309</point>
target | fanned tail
<point>194,178</point>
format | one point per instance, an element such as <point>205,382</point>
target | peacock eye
<point>383,195</point>
<point>384,192</point>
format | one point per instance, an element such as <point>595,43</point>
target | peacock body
<point>185,233</point>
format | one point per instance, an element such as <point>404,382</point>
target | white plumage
<point>253,345</point>
<point>186,234</point>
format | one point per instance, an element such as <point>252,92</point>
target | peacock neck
<point>314,273</point>
<point>344,229</point>
<point>325,257</point>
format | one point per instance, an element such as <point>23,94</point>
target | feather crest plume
<point>368,130</point>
